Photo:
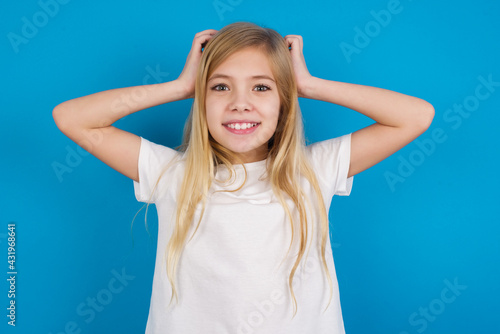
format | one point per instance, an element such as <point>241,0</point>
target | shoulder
<point>330,160</point>
<point>330,147</point>
<point>158,148</point>
<point>154,159</point>
<point>154,152</point>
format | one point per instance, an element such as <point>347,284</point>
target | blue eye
<point>262,88</point>
<point>223,87</point>
<point>216,87</point>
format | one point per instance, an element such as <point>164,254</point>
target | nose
<point>240,101</point>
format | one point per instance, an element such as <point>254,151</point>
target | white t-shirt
<point>229,279</point>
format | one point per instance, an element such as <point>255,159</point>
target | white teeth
<point>241,126</point>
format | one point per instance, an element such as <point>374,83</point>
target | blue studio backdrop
<point>416,245</point>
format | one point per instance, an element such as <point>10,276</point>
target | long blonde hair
<point>287,160</point>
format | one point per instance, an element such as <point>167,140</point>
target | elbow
<point>425,116</point>
<point>429,114</point>
<point>60,116</point>
<point>57,115</point>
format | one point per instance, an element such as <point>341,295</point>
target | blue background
<point>395,244</point>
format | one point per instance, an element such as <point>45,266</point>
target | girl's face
<point>242,104</point>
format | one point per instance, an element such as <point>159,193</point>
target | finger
<point>201,40</point>
<point>294,46</point>
<point>205,38</point>
<point>293,36</point>
<point>208,31</point>
<point>294,41</point>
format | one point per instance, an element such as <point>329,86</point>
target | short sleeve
<point>331,159</point>
<point>153,159</point>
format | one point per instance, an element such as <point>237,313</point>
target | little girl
<point>243,237</point>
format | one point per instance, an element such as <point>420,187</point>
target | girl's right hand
<point>188,75</point>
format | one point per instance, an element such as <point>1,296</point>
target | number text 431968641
<point>11,273</point>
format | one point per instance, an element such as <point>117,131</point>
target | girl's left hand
<point>302,75</point>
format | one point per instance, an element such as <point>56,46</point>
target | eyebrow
<point>224,76</point>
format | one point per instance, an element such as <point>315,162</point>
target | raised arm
<point>88,120</point>
<point>399,118</point>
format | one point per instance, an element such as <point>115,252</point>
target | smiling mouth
<point>241,126</point>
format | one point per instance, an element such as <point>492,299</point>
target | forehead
<point>246,63</point>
